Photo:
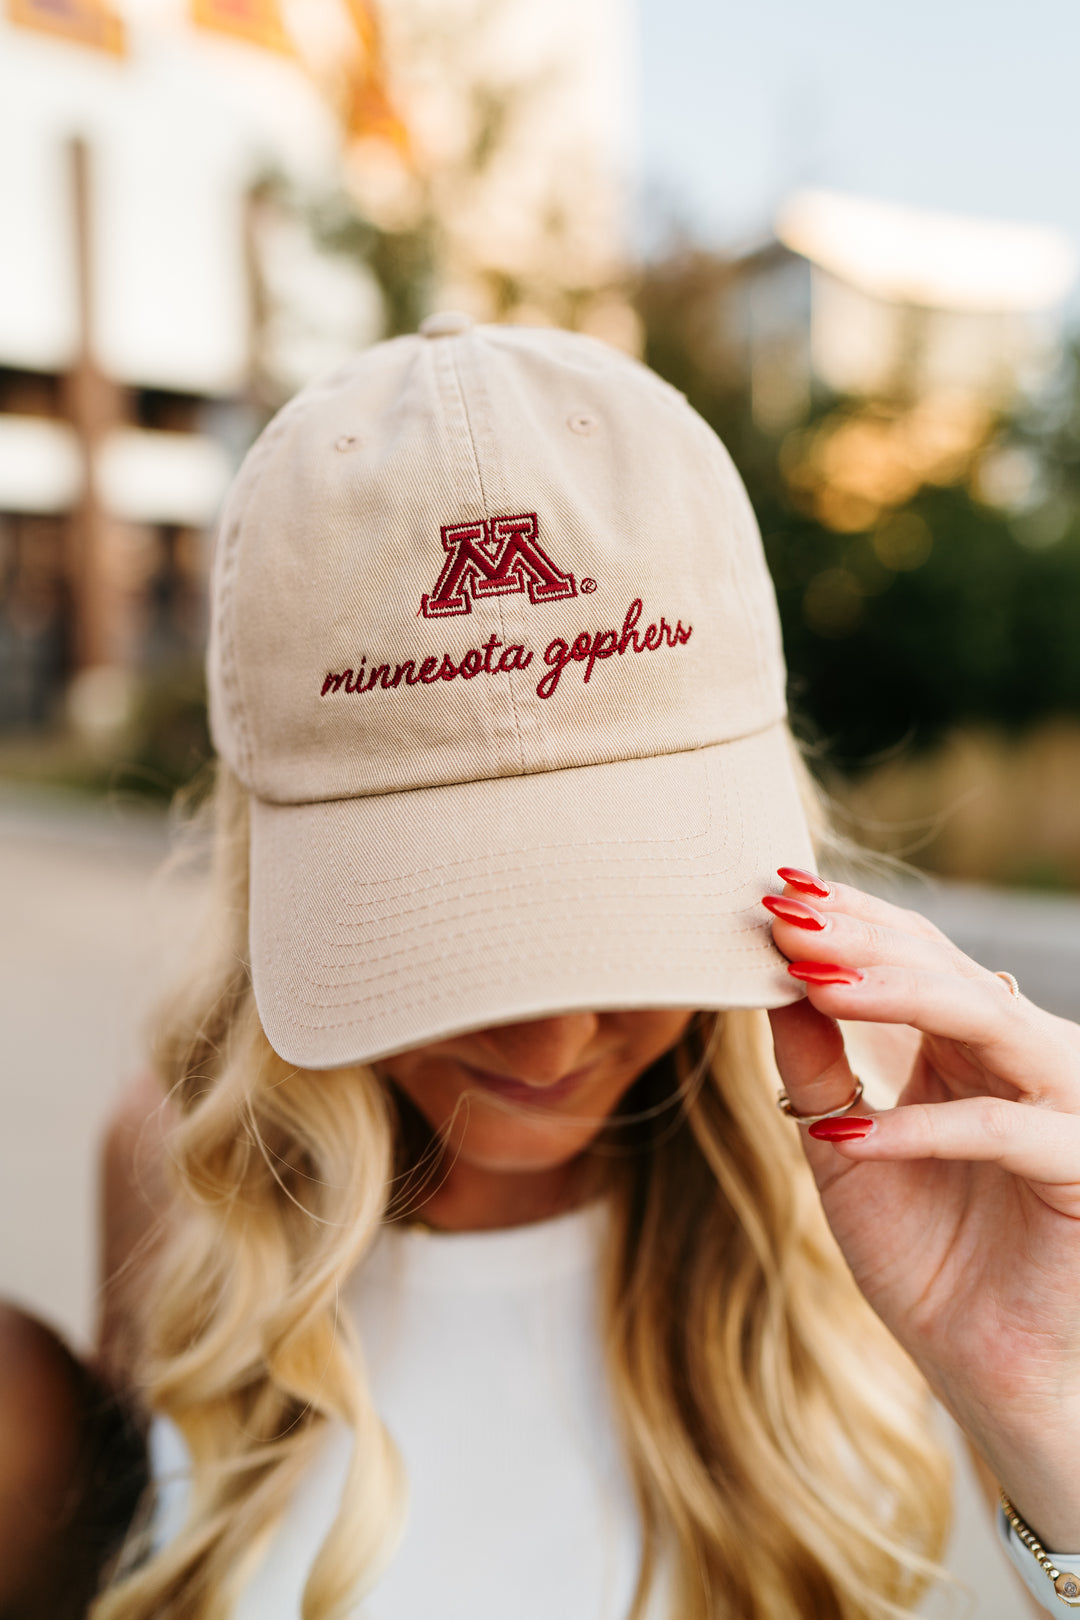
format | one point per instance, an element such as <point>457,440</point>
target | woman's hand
<point>959,1211</point>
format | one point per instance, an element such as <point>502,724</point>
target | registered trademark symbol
<point>588,586</point>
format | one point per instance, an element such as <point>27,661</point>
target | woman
<point>496,680</point>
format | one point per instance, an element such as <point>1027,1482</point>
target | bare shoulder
<point>136,1105</point>
<point>133,1159</point>
<point>135,1201</point>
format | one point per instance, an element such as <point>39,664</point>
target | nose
<point>541,1051</point>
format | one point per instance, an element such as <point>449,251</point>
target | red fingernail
<point>851,1129</point>
<point>824,973</point>
<point>793,911</point>
<point>804,880</point>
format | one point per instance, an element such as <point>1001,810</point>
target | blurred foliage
<point>163,747</point>
<point>169,742</point>
<point>414,219</point>
<point>945,609</point>
<point>401,261</point>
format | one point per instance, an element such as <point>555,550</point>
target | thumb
<point>811,1059</point>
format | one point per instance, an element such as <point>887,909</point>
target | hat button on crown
<point>449,323</point>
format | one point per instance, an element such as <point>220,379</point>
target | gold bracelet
<point>1066,1585</point>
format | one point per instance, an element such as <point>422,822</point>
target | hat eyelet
<point>348,441</point>
<point>581,422</point>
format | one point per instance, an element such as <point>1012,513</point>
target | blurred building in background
<point>941,324</point>
<point>870,298</point>
<point>203,203</point>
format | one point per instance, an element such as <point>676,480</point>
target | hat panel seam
<point>477,383</point>
<point>446,364</point>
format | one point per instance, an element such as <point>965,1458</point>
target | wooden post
<point>94,405</point>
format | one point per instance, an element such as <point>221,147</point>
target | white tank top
<point>484,1360</point>
<point>484,1363</point>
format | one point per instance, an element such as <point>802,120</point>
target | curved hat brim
<point>387,922</point>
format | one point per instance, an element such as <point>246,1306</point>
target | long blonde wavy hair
<point>778,1439</point>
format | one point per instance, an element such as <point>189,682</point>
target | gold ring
<point>1014,988</point>
<point>783,1102</point>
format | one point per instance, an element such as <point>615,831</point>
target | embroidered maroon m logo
<point>494,557</point>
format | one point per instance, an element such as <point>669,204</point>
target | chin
<point>509,1147</point>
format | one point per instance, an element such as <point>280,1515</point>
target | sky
<point>969,106</point>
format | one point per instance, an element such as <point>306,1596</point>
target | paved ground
<point>89,928</point>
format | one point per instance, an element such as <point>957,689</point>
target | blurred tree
<point>450,189</point>
<point>910,604</point>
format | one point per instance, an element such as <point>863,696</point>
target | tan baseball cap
<point>496,654</point>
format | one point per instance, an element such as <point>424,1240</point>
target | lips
<point>537,1096</point>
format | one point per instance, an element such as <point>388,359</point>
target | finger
<point>809,930</point>
<point>1032,1050</point>
<point>828,896</point>
<point>1039,1144</point>
<point>811,1059</point>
